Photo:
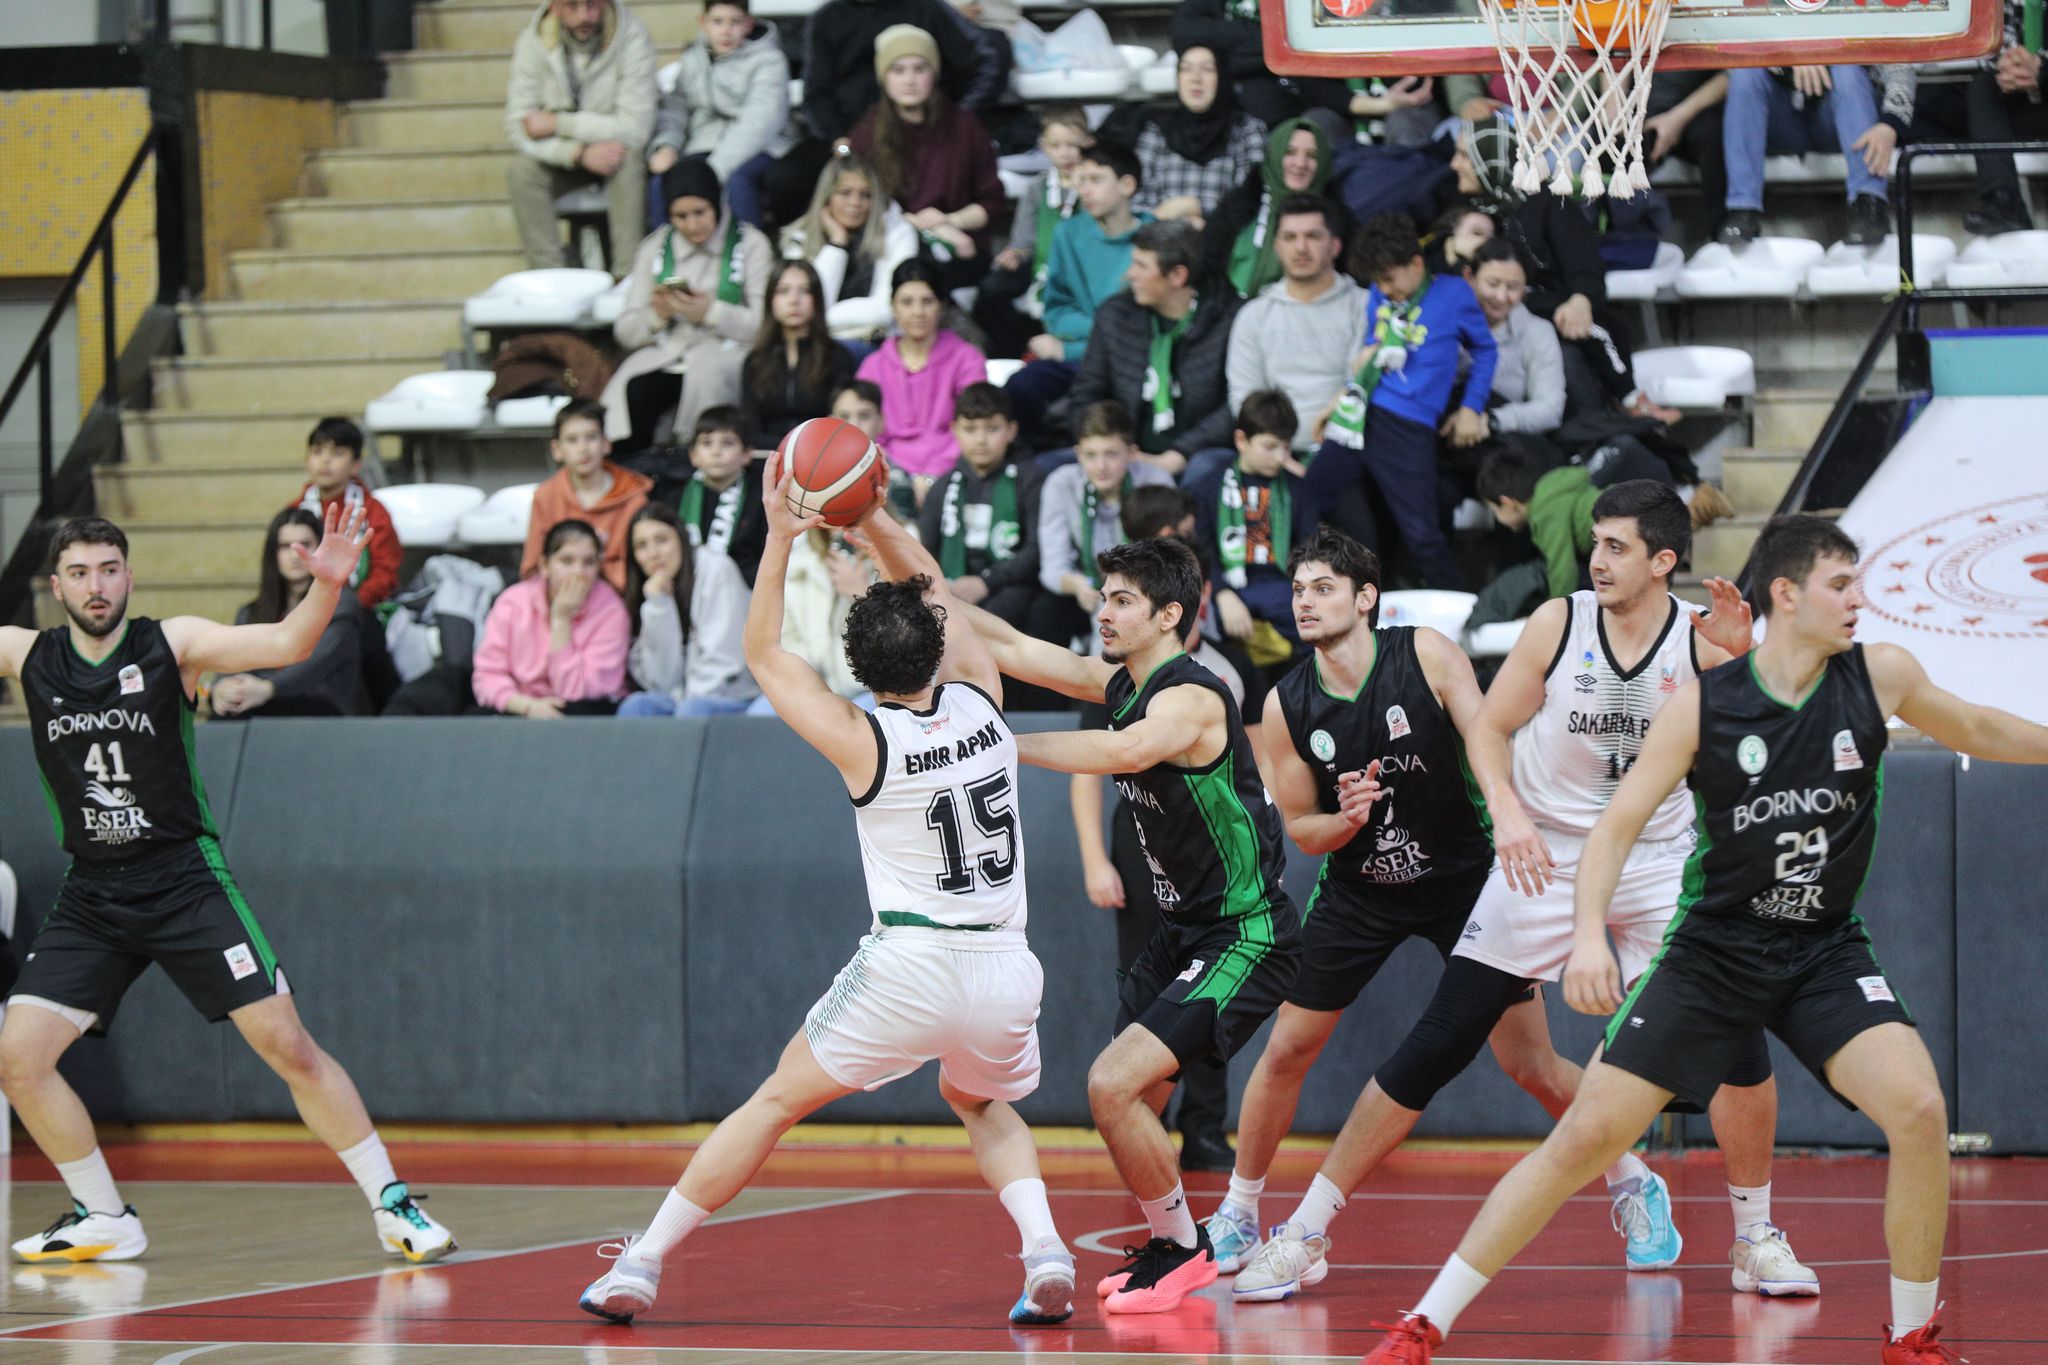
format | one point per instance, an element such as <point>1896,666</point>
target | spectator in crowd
<point>720,505</point>
<point>860,404</point>
<point>730,105</point>
<point>1528,377</point>
<point>1091,254</point>
<point>1238,242</point>
<point>687,608</point>
<point>1194,150</point>
<point>334,466</point>
<point>693,301</point>
<point>1685,112</point>
<point>1801,109</point>
<point>795,366</point>
<point>989,24</point>
<point>980,519</point>
<point>1299,333</point>
<point>933,159</point>
<point>578,110</point>
<point>1078,516</point>
<point>1385,425</point>
<point>1249,514</point>
<point>2005,105</point>
<point>329,681</point>
<point>1230,29</point>
<point>588,487</point>
<point>920,371</point>
<point>1014,288</point>
<point>555,642</point>
<point>856,240</point>
<point>1457,235</point>
<point>1158,349</point>
<point>826,574</point>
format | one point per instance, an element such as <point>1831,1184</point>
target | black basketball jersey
<point>1210,836</point>
<point>1787,795</point>
<point>114,742</point>
<point>1432,821</point>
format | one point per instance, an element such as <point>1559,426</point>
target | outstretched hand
<point>1729,623</point>
<point>340,548</point>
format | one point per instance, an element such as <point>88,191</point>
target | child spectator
<point>979,520</point>
<point>334,463</point>
<point>730,105</point>
<point>588,487</point>
<point>825,575</point>
<point>327,682</point>
<point>1078,515</point>
<point>920,370</point>
<point>555,642</point>
<point>795,366</point>
<point>859,403</point>
<point>856,238</point>
<point>1014,288</point>
<point>1249,515</point>
<point>1555,506</point>
<point>720,506</point>
<point>688,608</point>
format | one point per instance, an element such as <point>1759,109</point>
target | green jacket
<point>1561,524</point>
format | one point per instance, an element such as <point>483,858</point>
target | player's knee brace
<point>1469,1001</point>
<point>1752,1065</point>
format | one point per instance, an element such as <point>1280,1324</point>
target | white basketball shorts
<point>1531,936</point>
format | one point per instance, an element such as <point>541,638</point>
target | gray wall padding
<point>2001,955</point>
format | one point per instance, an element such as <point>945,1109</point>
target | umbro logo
<point>1586,682</point>
<point>1635,1021</point>
<point>56,701</point>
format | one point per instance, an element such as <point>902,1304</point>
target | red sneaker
<point>1408,1342</point>
<point>1918,1347</point>
<point>1165,1273</point>
<point>1114,1280</point>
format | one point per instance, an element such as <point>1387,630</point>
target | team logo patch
<point>1194,970</point>
<point>1876,989</point>
<point>1752,754</point>
<point>1322,746</point>
<point>1585,683</point>
<point>131,679</point>
<point>1846,755</point>
<point>241,961</point>
<point>1397,722</point>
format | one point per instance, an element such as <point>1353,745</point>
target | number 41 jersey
<point>939,835</point>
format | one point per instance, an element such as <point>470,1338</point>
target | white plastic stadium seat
<point>1001,371</point>
<point>524,414</point>
<point>1695,376</point>
<point>500,519</point>
<point>785,9</point>
<point>1438,607</point>
<point>1038,87</point>
<point>1160,77</point>
<point>2010,258</point>
<point>1873,271</point>
<point>1767,268</point>
<point>439,400</point>
<point>1638,285</point>
<point>606,307</point>
<point>1495,641</point>
<point>537,298</point>
<point>426,513</point>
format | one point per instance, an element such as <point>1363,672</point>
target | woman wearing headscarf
<point>1195,150</point>
<point>1237,243</point>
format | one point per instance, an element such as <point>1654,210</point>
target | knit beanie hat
<point>690,178</point>
<point>903,40</point>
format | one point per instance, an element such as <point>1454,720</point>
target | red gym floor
<point>261,1251</point>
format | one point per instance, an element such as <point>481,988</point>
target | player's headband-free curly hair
<point>894,638</point>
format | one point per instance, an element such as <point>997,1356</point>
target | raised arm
<point>204,646</point>
<point>1516,696</point>
<point>1905,690</point>
<point>1314,830</point>
<point>15,643</point>
<point>899,556</point>
<point>1181,723</point>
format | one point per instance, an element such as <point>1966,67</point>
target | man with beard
<point>110,704</point>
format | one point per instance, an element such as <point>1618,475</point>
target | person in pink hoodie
<point>920,370</point>
<point>555,643</point>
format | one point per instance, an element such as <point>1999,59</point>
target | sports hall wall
<point>625,922</point>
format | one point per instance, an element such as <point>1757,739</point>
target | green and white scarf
<point>1084,535</point>
<point>724,514</point>
<point>732,264</point>
<point>1161,388</point>
<point>1056,208</point>
<point>992,526</point>
<point>1239,504</point>
<point>1396,330</point>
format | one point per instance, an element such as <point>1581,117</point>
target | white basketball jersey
<point>1573,752</point>
<point>940,837</point>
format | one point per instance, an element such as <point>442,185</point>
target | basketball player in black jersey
<point>1226,948</point>
<point>110,704</point>
<point>1784,751</point>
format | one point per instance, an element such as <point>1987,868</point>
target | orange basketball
<point>836,471</point>
<point>1348,9</point>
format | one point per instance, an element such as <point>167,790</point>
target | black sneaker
<point>1739,227</point>
<point>1206,1151</point>
<point>1163,1274</point>
<point>1996,212</point>
<point>1870,221</point>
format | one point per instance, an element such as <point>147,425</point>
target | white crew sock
<point>1242,1203</point>
<point>1913,1305</point>
<point>1751,1206</point>
<point>1025,1199</point>
<point>1452,1292</point>
<point>1319,1207</point>
<point>92,1184</point>
<point>1630,1167</point>
<point>677,1219</point>
<point>1169,1216</point>
<point>370,1164</point>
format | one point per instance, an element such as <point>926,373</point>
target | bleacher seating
<point>1698,378</point>
<point>439,400</point>
<point>1873,271</point>
<point>1767,268</point>
<point>537,298</point>
<point>500,519</point>
<point>2011,258</point>
<point>425,514</point>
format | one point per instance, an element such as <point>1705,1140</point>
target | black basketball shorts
<point>1349,931</point>
<point>1204,989</point>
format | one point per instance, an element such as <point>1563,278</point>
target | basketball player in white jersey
<point>944,972</point>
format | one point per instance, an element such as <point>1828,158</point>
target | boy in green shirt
<point>1556,507</point>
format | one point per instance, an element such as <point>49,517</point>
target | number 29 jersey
<point>114,743</point>
<point>939,835</point>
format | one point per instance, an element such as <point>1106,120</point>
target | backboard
<point>1441,37</point>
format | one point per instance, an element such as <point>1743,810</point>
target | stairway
<point>362,284</point>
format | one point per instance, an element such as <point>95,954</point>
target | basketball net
<point>1578,77</point>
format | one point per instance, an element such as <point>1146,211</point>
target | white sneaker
<point>81,1235</point>
<point>627,1288</point>
<point>1764,1264</point>
<point>405,1229</point>
<point>1233,1239</point>
<point>1287,1264</point>
<point>1048,1297</point>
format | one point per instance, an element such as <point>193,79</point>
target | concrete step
<point>393,224</point>
<point>1721,549</point>
<point>1791,419</point>
<point>310,277</point>
<point>423,123</point>
<point>401,173</point>
<point>211,440</point>
<point>343,384</point>
<point>215,552</point>
<point>494,27</point>
<point>285,331</point>
<point>448,75</point>
<point>224,492</point>
<point>1755,480</point>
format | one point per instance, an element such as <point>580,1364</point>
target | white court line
<point>459,1258</point>
<point>813,1353</point>
<point>177,1357</point>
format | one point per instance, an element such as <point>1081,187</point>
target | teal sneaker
<point>1644,1218</point>
<point>1236,1241</point>
<point>1048,1297</point>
